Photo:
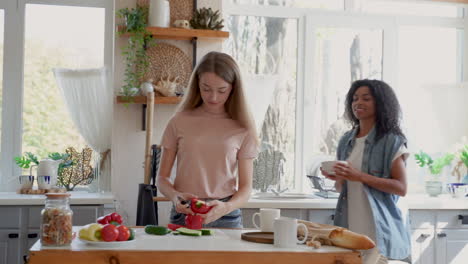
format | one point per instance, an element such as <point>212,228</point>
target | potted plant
<point>28,160</point>
<point>433,185</point>
<point>139,39</point>
<point>462,156</point>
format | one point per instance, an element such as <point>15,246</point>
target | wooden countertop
<point>225,247</point>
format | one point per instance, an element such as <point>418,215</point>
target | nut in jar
<point>56,226</point>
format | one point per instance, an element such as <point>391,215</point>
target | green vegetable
<point>132,234</point>
<point>156,230</point>
<point>175,233</point>
<point>207,232</point>
<point>189,232</point>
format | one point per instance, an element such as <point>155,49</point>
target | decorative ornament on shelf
<point>205,18</point>
<point>167,86</point>
<point>147,87</point>
<point>182,24</point>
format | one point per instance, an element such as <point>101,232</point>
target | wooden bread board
<point>258,237</point>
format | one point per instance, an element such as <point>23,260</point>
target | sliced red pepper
<point>102,220</point>
<point>199,206</point>
<point>194,221</point>
<point>174,227</point>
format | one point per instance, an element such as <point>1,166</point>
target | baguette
<point>336,236</point>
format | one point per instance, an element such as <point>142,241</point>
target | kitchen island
<point>224,246</point>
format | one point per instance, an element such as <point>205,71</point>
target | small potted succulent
<point>435,166</point>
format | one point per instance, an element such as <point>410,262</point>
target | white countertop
<point>12,198</point>
<point>413,201</point>
<point>221,240</point>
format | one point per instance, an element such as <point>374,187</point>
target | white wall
<point>128,140</point>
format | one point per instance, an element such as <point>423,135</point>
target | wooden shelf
<point>157,100</point>
<point>181,33</point>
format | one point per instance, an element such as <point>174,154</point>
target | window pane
<point>266,50</point>
<point>419,9</point>
<point>428,62</point>
<point>325,4</point>
<point>342,55</point>
<point>2,23</point>
<point>56,36</point>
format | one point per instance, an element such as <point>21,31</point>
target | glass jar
<point>56,225</point>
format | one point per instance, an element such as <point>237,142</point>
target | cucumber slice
<point>156,230</point>
<point>189,232</point>
<point>207,232</point>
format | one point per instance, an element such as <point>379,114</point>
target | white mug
<point>285,232</point>
<point>44,182</point>
<point>328,166</point>
<point>267,216</point>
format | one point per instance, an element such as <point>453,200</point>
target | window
<point>270,61</point>
<point>412,8</point>
<point>325,4</point>
<point>55,35</point>
<point>420,57</point>
<point>47,125</point>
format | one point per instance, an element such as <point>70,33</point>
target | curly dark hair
<point>387,108</point>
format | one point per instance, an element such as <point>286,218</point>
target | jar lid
<point>57,195</point>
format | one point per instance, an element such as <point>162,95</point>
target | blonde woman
<point>214,139</point>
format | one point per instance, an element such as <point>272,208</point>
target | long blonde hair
<point>226,68</point>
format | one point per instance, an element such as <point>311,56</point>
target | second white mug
<point>267,216</point>
<point>285,230</point>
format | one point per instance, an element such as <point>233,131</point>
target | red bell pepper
<point>113,218</point>
<point>199,206</point>
<point>174,227</point>
<point>194,221</point>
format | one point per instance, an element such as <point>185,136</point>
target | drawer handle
<point>32,235</point>
<point>464,219</point>
<point>13,235</point>
<point>424,236</point>
<point>441,235</point>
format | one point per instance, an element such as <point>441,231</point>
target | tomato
<point>124,233</point>
<point>109,233</point>
<point>194,221</point>
<point>199,206</point>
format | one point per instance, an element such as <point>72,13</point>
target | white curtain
<point>89,99</point>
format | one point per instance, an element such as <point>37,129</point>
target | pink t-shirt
<point>208,147</point>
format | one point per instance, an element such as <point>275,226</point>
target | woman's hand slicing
<point>181,203</point>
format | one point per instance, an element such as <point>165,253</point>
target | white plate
<point>107,244</point>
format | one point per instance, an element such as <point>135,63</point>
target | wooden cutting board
<point>258,237</point>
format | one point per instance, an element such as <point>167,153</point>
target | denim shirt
<point>391,225</point>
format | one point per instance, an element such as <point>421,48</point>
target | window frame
<point>311,19</point>
<point>13,75</point>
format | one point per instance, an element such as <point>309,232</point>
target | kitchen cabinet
<point>20,228</point>
<point>451,237</point>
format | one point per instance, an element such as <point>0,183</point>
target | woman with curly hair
<point>373,176</point>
